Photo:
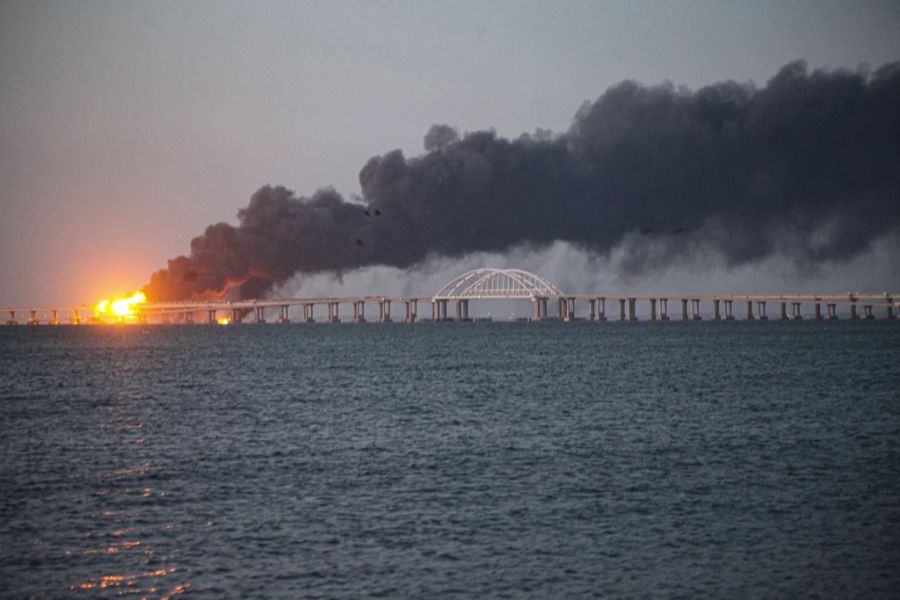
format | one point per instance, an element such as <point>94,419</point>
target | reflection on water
<point>147,582</point>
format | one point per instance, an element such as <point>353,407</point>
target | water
<point>739,459</point>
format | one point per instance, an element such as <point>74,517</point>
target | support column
<point>32,317</point>
<point>570,309</point>
<point>188,317</point>
<point>818,310</point>
<point>235,315</point>
<point>853,315</point>
<point>621,309</point>
<point>601,309</point>
<point>413,310</point>
<point>795,311</point>
<point>165,318</point>
<point>211,316</point>
<point>889,309</point>
<point>832,312</point>
<point>334,312</point>
<point>761,310</point>
<point>632,309</point>
<point>867,311</point>
<point>12,318</point>
<point>593,309</point>
<point>684,312</point>
<point>783,311</point>
<point>561,308</point>
<point>652,309</point>
<point>283,312</point>
<point>260,314</point>
<point>309,313</point>
<point>459,310</point>
<point>384,310</point>
<point>663,309</point>
<point>749,310</point>
<point>54,318</point>
<point>729,310</point>
<point>695,309</point>
<point>410,311</point>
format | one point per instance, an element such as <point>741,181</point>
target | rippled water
<point>523,459</point>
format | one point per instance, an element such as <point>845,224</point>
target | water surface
<point>731,459</point>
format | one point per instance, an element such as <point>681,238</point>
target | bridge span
<point>490,284</point>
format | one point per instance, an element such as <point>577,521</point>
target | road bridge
<point>492,284</point>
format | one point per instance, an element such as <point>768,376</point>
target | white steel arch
<point>497,283</point>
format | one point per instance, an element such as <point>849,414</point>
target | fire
<point>120,308</point>
<point>223,321</point>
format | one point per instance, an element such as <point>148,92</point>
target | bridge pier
<point>334,315</point>
<point>439,309</point>
<point>818,310</point>
<point>283,314</point>
<point>632,309</point>
<point>412,307</point>
<point>652,309</point>
<point>853,314</point>
<point>601,309</point>
<point>716,314</point>
<point>750,310</point>
<point>761,311</point>
<point>684,310</point>
<point>165,318</point>
<point>260,314</point>
<point>189,317</point>
<point>570,309</point>
<point>211,316</point>
<point>867,311</point>
<point>32,317</point>
<point>12,318</point>
<point>592,315</point>
<point>236,316</point>
<point>54,318</point>
<point>663,309</point>
<point>832,311</point>
<point>889,308</point>
<point>384,310</point>
<point>729,310</point>
<point>359,311</point>
<point>795,311</point>
<point>462,310</point>
<point>695,309</point>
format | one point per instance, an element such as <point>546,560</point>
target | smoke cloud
<point>807,166</point>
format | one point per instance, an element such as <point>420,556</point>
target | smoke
<point>806,166</point>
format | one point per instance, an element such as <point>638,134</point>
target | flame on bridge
<point>120,308</point>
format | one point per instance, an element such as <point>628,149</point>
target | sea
<point>473,460</point>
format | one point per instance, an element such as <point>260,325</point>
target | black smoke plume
<point>810,161</point>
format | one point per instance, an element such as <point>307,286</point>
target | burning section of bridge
<point>119,310</point>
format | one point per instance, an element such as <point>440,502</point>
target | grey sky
<point>127,127</point>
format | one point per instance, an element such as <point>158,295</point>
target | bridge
<point>487,284</point>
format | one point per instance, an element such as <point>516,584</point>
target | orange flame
<point>120,308</point>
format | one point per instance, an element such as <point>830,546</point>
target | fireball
<point>120,308</point>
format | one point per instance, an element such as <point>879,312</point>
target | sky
<point>128,127</point>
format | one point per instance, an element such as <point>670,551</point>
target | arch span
<point>497,283</point>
